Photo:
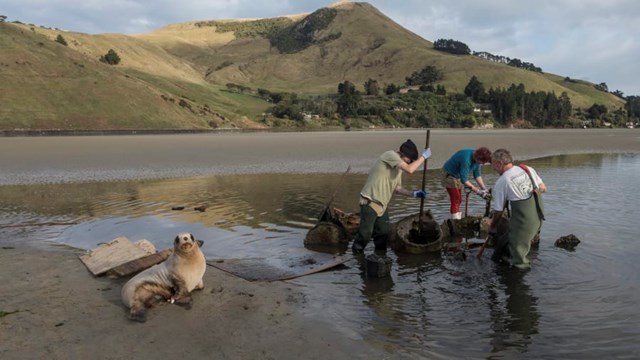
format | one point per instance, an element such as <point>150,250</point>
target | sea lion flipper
<point>182,296</point>
<point>138,314</point>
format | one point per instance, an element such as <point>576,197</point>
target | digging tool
<point>335,192</point>
<point>419,229</point>
<point>466,201</point>
<point>487,207</point>
<point>484,245</point>
<point>424,179</point>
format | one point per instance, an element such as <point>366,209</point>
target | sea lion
<point>172,280</point>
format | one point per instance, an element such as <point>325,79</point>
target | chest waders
<point>524,224</point>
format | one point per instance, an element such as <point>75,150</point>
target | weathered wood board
<point>137,265</point>
<point>110,255</point>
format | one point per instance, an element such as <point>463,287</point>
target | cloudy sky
<point>594,40</point>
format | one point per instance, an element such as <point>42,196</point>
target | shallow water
<point>580,304</point>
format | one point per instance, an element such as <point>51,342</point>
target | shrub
<point>111,58</point>
<point>61,40</point>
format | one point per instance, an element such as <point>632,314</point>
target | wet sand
<point>52,307</point>
<point>28,160</point>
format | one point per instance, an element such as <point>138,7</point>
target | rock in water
<point>568,242</point>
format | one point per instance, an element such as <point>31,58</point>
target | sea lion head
<point>185,242</point>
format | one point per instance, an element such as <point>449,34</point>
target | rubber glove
<point>482,193</point>
<point>426,153</point>
<point>420,194</point>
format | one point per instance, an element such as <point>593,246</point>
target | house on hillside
<point>481,111</point>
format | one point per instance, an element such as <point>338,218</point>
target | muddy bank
<point>52,307</point>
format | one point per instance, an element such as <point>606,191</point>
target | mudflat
<point>52,307</point>
<point>25,160</point>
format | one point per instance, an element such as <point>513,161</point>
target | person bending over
<point>385,179</point>
<point>456,174</point>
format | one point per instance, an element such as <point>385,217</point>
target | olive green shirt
<point>384,177</point>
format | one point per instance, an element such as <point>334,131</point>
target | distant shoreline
<point>87,132</point>
<point>115,132</point>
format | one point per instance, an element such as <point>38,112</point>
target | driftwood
<point>114,253</point>
<point>140,264</point>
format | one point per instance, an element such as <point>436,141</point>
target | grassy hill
<point>175,77</point>
<point>47,85</point>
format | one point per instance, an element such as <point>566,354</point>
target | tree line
<point>420,102</point>
<point>459,48</point>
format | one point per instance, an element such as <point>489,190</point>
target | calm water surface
<point>580,304</point>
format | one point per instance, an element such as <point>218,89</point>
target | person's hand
<point>492,232</point>
<point>426,153</point>
<point>482,193</point>
<point>419,194</point>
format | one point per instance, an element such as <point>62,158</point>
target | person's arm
<point>464,176</point>
<point>400,190</point>
<point>481,183</point>
<point>411,168</point>
<point>539,183</point>
<point>494,221</point>
<point>469,184</point>
<point>542,187</point>
<point>415,193</point>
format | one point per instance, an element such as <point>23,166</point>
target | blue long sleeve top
<point>461,164</point>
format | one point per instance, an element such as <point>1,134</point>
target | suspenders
<point>535,193</point>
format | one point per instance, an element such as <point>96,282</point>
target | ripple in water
<point>579,304</point>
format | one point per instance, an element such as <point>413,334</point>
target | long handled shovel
<point>424,179</point>
<point>484,245</point>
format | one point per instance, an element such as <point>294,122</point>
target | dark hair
<point>409,149</point>
<point>482,154</point>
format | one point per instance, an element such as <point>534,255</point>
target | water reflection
<point>513,312</point>
<point>435,306</point>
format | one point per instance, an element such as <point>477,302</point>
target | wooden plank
<point>114,253</point>
<point>140,264</point>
